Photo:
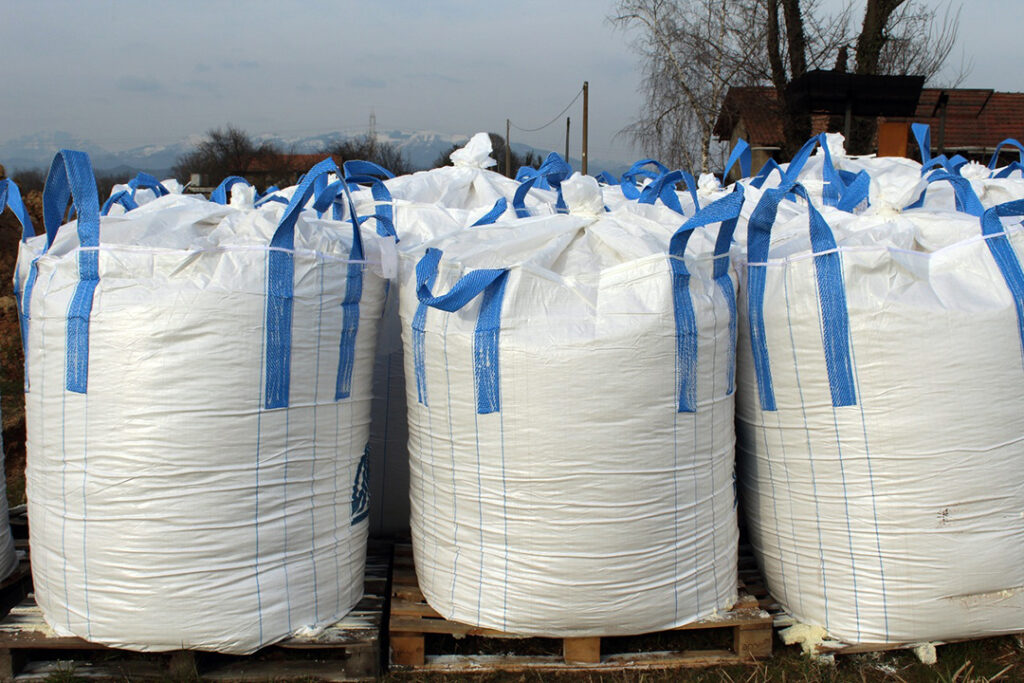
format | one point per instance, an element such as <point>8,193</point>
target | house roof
<point>290,162</point>
<point>975,118</point>
<point>758,108</point>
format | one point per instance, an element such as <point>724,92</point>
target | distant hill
<point>420,147</point>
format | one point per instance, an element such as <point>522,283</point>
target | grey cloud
<point>435,78</point>
<point>369,83</point>
<point>241,65</point>
<point>139,85</point>
<point>202,86</point>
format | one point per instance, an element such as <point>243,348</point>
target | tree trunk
<point>796,124</point>
<point>869,48</point>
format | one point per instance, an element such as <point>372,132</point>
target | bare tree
<point>692,51</point>
<point>230,151</point>
<point>369,148</point>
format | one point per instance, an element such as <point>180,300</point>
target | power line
<point>557,117</point>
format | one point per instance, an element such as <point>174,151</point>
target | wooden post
<point>567,139</point>
<point>753,642</point>
<point>848,119</point>
<point>408,650</point>
<point>586,112</point>
<point>508,148</point>
<point>581,650</point>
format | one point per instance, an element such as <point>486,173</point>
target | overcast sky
<point>124,74</point>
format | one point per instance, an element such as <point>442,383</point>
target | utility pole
<point>586,107</point>
<point>508,148</point>
<point>567,139</point>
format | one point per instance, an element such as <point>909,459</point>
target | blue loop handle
<point>149,182</point>
<point>280,294</point>
<point>267,198</point>
<point>494,214</point>
<point>606,178</point>
<point>855,192</point>
<point>284,236</point>
<point>638,170</point>
<point>10,196</point>
<point>956,162</point>
<point>766,171</point>
<point>269,191</point>
<point>526,173</point>
<point>381,193</point>
<point>385,226</point>
<point>548,177</point>
<point>831,299</point>
<point>1009,170</point>
<point>724,211</point>
<point>834,185</point>
<point>122,197</point>
<point>940,162</point>
<point>555,169</point>
<point>465,290</point>
<point>990,223</point>
<point>366,168</point>
<point>1005,256</point>
<point>220,193</point>
<point>486,357</point>
<point>329,198</point>
<point>966,199</point>
<point>1008,142</point>
<point>741,153</point>
<point>519,198</point>
<point>923,135</point>
<point>664,188</point>
<point>71,178</point>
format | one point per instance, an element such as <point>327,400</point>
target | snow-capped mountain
<point>420,148</point>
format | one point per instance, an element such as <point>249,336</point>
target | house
<point>967,121</point>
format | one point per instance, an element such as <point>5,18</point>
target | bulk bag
<point>198,413</point>
<point>467,184</point>
<point>417,223</point>
<point>570,400</point>
<point>880,424</point>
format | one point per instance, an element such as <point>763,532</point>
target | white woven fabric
<point>896,517</point>
<point>171,507</point>
<point>587,504</point>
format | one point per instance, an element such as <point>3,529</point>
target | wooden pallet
<point>412,622</point>
<point>346,651</point>
<point>751,578</point>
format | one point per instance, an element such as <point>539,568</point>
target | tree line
<point>232,151</point>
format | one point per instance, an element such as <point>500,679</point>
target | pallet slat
<point>411,619</point>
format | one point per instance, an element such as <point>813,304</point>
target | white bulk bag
<point>467,184</point>
<point>880,428</point>
<point>571,422</point>
<point>417,223</point>
<point>198,413</point>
